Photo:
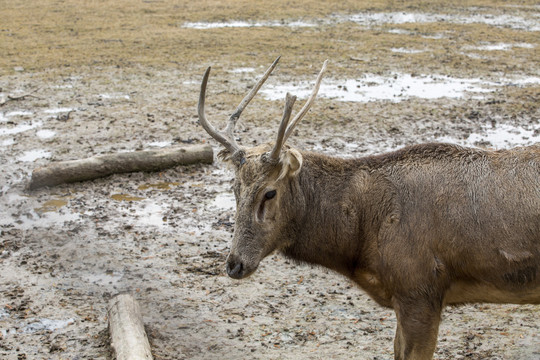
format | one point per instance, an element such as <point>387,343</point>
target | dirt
<point>101,78</point>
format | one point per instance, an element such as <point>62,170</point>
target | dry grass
<point>62,35</point>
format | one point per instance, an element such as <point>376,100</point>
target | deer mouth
<point>238,269</point>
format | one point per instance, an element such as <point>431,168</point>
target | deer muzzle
<point>239,269</point>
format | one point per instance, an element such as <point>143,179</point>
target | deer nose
<point>235,268</point>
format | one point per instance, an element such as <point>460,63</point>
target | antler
<point>289,102</point>
<point>227,139</point>
<point>285,129</point>
<point>308,103</point>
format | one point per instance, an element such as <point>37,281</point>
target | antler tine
<point>289,102</point>
<point>229,130</point>
<point>231,146</point>
<point>308,103</point>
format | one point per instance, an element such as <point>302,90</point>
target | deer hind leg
<point>417,329</point>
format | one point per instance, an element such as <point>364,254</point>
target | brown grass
<point>62,35</point>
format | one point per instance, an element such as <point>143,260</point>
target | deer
<point>418,228</point>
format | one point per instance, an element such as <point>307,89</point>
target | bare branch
<point>289,102</point>
<point>308,103</point>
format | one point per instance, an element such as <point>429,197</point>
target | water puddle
<point>57,110</point>
<point>33,155</point>
<point>51,206</point>
<point>406,51</point>
<point>160,144</point>
<point>110,96</point>
<point>501,137</point>
<point>224,201</point>
<point>7,142</point>
<point>143,212</point>
<point>506,21</point>
<point>19,128</point>
<point>45,134</point>
<point>396,88</point>
<point>36,325</point>
<point>151,214</point>
<point>243,70</point>
<point>19,113</point>
<point>54,214</point>
<point>376,19</point>
<point>52,218</point>
<point>126,197</point>
<point>500,47</point>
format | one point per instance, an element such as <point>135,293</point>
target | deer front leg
<point>417,328</point>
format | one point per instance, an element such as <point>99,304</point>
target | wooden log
<point>128,338</point>
<point>104,165</point>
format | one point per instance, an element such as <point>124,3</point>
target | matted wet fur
<point>418,228</point>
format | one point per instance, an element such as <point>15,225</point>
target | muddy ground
<point>101,78</point>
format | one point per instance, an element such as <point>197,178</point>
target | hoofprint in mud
<point>65,251</point>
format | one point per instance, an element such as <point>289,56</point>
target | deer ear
<point>291,162</point>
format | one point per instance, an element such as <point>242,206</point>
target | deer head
<point>263,185</point>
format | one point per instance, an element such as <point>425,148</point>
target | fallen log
<point>104,165</point>
<point>128,338</point>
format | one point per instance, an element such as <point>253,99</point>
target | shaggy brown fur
<point>418,228</point>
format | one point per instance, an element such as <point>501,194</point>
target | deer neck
<point>329,232</point>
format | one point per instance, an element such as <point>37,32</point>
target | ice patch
<point>159,144</point>
<point>400,32</point>
<point>500,47</point>
<point>371,19</point>
<point>406,51</point>
<point>395,88</point>
<point>33,155</point>
<point>45,134</point>
<point>531,80</point>
<point>243,70</point>
<point>7,142</point>
<point>57,110</point>
<point>114,96</point>
<point>509,21</point>
<point>46,324</point>
<point>19,128</point>
<point>436,36</point>
<point>505,136</point>
<point>19,113</point>
<point>502,136</point>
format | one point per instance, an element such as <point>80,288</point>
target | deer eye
<point>270,194</point>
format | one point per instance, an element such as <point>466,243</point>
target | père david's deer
<point>418,228</point>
